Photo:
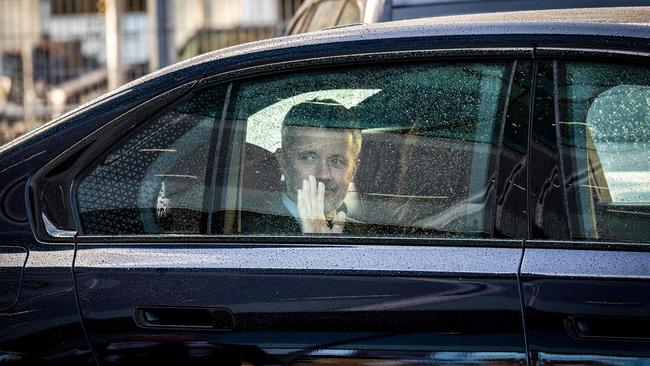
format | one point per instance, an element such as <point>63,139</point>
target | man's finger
<point>313,194</point>
<point>306,193</point>
<point>300,204</point>
<point>320,199</point>
<point>339,222</point>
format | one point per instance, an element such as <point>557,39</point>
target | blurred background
<point>58,54</point>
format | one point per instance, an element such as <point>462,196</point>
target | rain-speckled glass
<point>154,181</point>
<point>401,150</point>
<point>604,124</point>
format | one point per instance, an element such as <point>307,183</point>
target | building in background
<point>57,54</point>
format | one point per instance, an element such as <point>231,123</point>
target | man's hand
<point>311,208</point>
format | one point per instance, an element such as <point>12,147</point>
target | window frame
<point>599,55</point>
<point>309,64</point>
<point>498,133</point>
<point>118,141</point>
<point>62,172</point>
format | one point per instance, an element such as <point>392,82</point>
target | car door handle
<point>608,328</point>
<point>184,317</point>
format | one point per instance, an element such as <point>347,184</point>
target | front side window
<point>403,150</point>
<point>155,180</point>
<point>604,112</point>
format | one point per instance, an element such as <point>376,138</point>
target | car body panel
<point>587,306</point>
<point>44,323</point>
<point>381,298</point>
<point>13,260</point>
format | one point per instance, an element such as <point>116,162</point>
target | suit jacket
<point>281,222</point>
<point>267,223</point>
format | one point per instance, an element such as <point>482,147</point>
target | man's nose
<point>323,170</point>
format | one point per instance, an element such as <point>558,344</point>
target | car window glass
<point>325,15</point>
<point>154,181</point>
<point>605,131</point>
<point>350,14</point>
<point>403,150</point>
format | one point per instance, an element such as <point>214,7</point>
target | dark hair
<point>322,113</point>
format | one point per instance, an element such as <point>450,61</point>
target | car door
<point>191,243</point>
<point>585,276</point>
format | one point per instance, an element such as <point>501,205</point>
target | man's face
<point>330,155</point>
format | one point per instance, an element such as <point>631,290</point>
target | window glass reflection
<point>605,131</point>
<point>405,150</point>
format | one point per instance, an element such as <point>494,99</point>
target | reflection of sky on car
<point>629,187</point>
<point>620,126</point>
<point>265,125</point>
<point>627,171</point>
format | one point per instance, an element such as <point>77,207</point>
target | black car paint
<point>589,303</point>
<point>293,301</point>
<point>44,322</point>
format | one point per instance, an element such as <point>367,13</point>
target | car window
<point>403,150</point>
<point>154,181</point>
<point>324,15</point>
<point>604,114</point>
<point>350,14</point>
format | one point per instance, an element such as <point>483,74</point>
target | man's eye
<point>307,157</point>
<point>338,162</point>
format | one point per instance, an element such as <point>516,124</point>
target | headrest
<point>323,113</point>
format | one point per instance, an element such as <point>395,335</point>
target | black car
<point>400,193</point>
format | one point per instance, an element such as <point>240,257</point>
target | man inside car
<point>318,158</point>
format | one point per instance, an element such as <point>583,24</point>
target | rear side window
<point>155,180</point>
<point>405,150</point>
<point>604,120</point>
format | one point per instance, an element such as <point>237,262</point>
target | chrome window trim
<point>588,244</point>
<point>54,231</point>
<point>585,52</point>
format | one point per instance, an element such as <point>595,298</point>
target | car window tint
<point>404,150</point>
<point>154,181</point>
<point>324,15</point>
<point>350,14</point>
<point>604,112</point>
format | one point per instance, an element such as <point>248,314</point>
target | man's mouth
<point>330,187</point>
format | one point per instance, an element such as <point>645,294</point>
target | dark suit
<point>279,221</point>
<point>266,223</point>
